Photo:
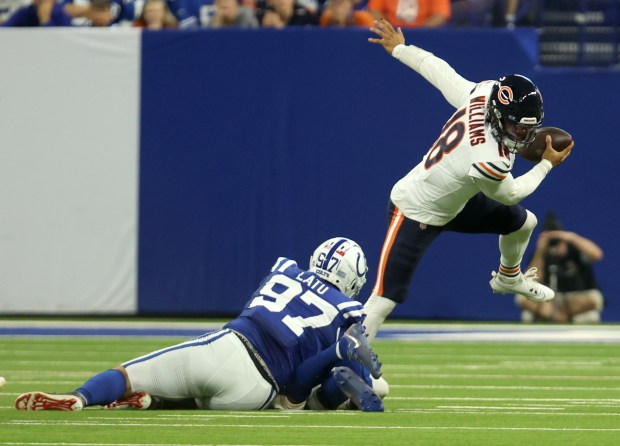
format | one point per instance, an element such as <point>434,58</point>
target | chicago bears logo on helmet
<point>504,95</point>
<point>514,111</point>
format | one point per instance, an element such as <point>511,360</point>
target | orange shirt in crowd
<point>409,13</point>
<point>358,18</point>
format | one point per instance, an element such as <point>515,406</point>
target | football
<point>559,139</point>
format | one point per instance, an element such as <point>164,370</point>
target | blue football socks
<point>103,388</point>
<point>330,395</point>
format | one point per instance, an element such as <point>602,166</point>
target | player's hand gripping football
<point>556,157</point>
<point>389,37</point>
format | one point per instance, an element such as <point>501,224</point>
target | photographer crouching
<point>564,261</point>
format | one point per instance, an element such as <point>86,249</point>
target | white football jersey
<point>438,188</point>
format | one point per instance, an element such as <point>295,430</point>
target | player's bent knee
<point>597,297</point>
<point>281,402</point>
<point>589,317</point>
<point>530,222</point>
<point>128,390</point>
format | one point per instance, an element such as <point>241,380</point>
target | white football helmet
<point>341,262</point>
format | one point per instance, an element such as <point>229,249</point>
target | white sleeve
<point>512,190</point>
<point>442,76</point>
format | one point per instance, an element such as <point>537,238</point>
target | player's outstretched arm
<point>442,76</point>
<point>389,37</point>
<point>554,157</point>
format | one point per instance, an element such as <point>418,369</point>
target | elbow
<point>597,256</point>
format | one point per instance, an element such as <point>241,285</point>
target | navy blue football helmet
<point>515,111</point>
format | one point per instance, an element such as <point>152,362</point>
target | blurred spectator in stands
<point>8,7</point>
<point>475,13</point>
<point>508,13</point>
<point>39,13</point>
<point>231,13</point>
<point>283,13</point>
<point>156,16</point>
<point>103,12</point>
<point>343,13</point>
<point>511,13</point>
<point>92,12</point>
<point>564,260</point>
<point>411,13</point>
<point>191,14</point>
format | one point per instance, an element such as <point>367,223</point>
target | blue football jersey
<point>292,316</point>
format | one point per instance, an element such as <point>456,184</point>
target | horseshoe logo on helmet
<point>504,95</point>
<point>357,266</point>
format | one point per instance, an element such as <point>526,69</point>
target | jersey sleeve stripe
<point>354,314</point>
<point>286,265</point>
<point>491,171</point>
<point>499,169</point>
<point>352,303</point>
<point>486,173</point>
<point>282,264</point>
<point>277,264</point>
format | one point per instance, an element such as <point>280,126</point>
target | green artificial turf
<point>441,393</point>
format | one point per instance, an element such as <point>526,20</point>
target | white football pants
<point>214,369</point>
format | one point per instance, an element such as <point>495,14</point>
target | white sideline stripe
<point>429,411</point>
<point>22,373</point>
<point>503,412</point>
<point>302,426</point>
<point>127,444</point>
<point>262,414</point>
<point>511,377</point>
<point>207,325</point>
<point>479,410</point>
<point>604,402</point>
<point>519,366</point>
<point>98,353</point>
<point>53,362</point>
<point>122,444</point>
<point>44,383</point>
<point>515,358</point>
<point>418,386</point>
<point>602,333</point>
<point>452,398</point>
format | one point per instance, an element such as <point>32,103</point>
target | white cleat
<point>524,284</point>
<point>138,400</point>
<point>48,401</point>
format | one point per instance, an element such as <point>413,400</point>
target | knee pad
<point>589,317</point>
<point>530,222</point>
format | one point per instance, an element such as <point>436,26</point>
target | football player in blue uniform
<point>297,325</point>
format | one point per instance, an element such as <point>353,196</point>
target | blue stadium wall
<point>255,145</point>
<point>163,173</point>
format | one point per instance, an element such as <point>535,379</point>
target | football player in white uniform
<point>463,183</point>
<point>297,325</point>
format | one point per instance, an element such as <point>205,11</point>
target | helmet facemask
<point>512,135</point>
